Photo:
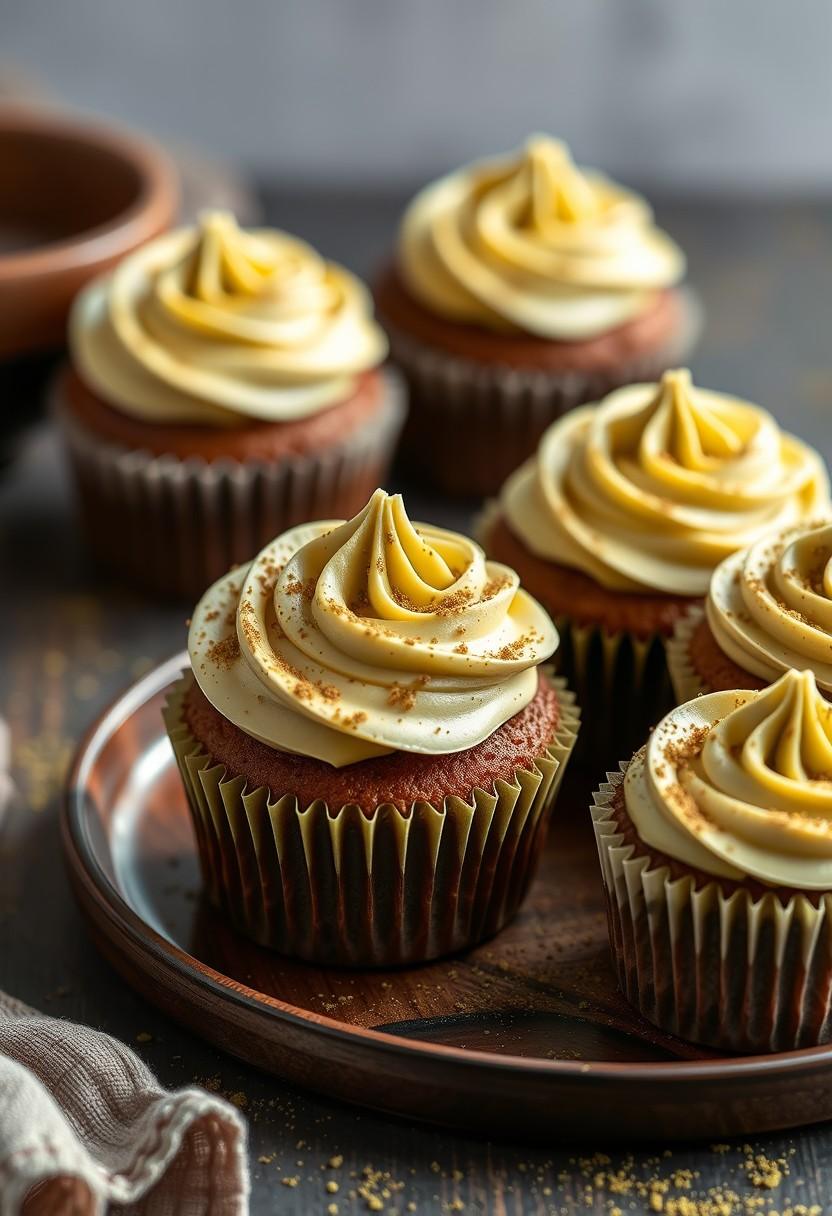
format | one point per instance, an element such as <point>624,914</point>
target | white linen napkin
<point>84,1122</point>
<point>85,1128</point>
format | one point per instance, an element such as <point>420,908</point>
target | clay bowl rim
<point>157,196</point>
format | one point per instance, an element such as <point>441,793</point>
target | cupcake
<point>520,288</point>
<point>716,849</point>
<point>369,748</point>
<point>618,521</point>
<point>769,609</point>
<point>223,386</point>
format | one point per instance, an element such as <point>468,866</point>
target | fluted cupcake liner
<point>684,678</point>
<point>496,414</point>
<point>621,682</point>
<point>174,526</point>
<point>338,886</point>
<point>733,971</point>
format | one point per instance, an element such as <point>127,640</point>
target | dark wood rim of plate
<point>573,1095</point>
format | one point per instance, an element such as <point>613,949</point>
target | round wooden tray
<point>525,1036</point>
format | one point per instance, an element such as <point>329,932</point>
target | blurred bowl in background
<point>75,196</point>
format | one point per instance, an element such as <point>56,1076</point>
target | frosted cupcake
<point>369,748</point>
<point>618,521</point>
<point>224,385</point>
<point>523,286</point>
<point>769,609</point>
<point>716,849</point>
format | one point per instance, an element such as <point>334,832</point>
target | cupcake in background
<point>769,609</point>
<point>618,521</point>
<point>715,844</point>
<point>223,385</point>
<point>522,287</point>
<point>368,745</point>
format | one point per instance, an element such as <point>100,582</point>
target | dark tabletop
<point>70,639</point>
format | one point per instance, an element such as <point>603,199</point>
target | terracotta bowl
<point>74,198</point>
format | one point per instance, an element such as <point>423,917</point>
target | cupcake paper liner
<point>175,526</point>
<point>496,414</point>
<point>685,680</point>
<point>621,683</point>
<point>733,972</point>
<point>336,886</point>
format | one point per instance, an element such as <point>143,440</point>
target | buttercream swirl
<point>739,784</point>
<point>655,485</point>
<point>347,640</point>
<point>217,326</point>
<point>532,243</point>
<point>770,606</point>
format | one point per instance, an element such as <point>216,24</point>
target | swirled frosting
<point>532,243</point>
<point>655,485</point>
<point>770,606</point>
<point>347,640</point>
<point>739,784</point>
<point>217,326</point>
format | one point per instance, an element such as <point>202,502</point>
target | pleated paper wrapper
<point>175,526</point>
<point>686,681</point>
<point>736,971</point>
<point>621,681</point>
<point>341,887</point>
<point>472,424</point>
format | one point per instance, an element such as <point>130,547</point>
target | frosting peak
<point>346,640</point>
<point>651,488</point>
<point>699,438</point>
<point>740,784</point>
<point>532,243</point>
<point>239,285</point>
<point>558,191</point>
<point>215,325</point>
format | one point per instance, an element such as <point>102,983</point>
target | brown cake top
<point>398,778</point>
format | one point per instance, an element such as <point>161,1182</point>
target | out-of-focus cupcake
<point>716,849</point>
<point>521,287</point>
<point>224,385</point>
<point>618,521</point>
<point>369,749</point>
<point>769,609</point>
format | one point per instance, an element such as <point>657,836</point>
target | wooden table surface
<point>70,639</point>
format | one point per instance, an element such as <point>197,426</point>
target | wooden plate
<point>525,1036</point>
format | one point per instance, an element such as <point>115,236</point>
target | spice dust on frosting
<point>770,606</point>
<point>739,785</point>
<point>347,640</point>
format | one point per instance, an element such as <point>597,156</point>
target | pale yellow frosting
<point>650,489</point>
<point>347,640</point>
<point>216,326</point>
<point>770,606</point>
<point>739,784</point>
<point>532,243</point>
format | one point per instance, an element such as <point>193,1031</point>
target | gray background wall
<point>696,93</point>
